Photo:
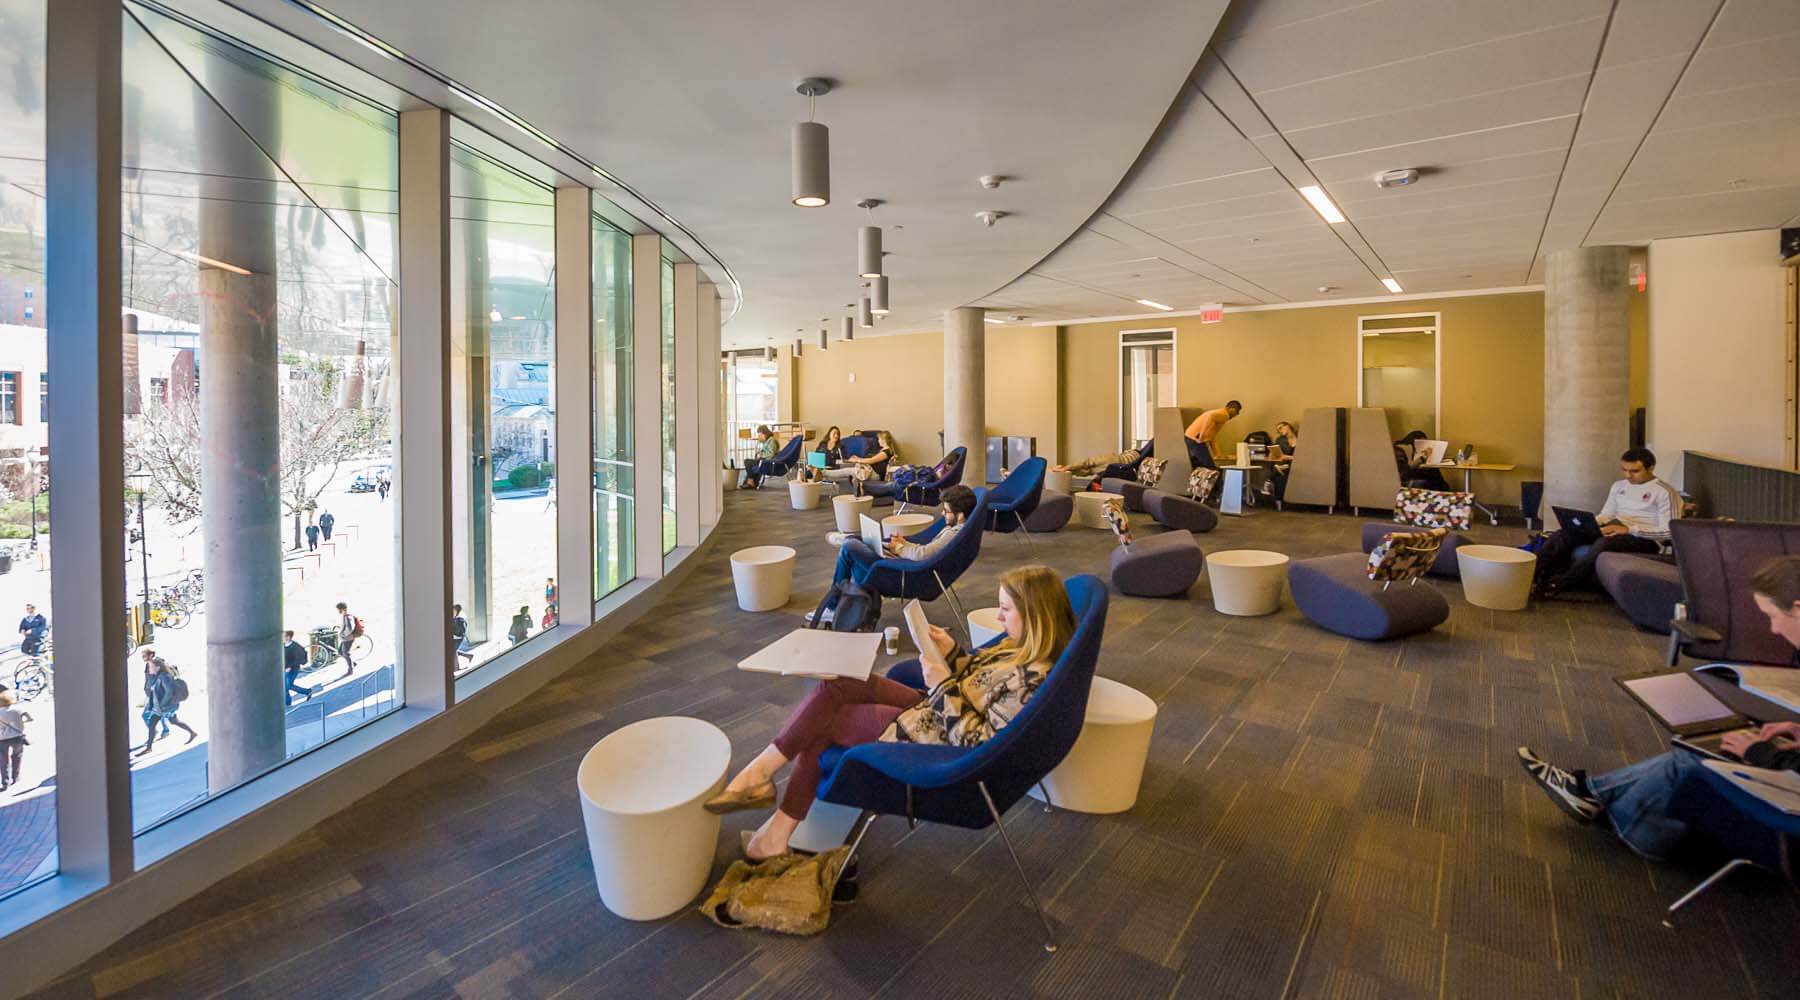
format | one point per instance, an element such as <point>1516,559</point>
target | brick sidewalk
<point>27,834</point>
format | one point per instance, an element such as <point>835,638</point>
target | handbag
<point>789,893</point>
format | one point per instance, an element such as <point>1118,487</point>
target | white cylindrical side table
<point>1058,482</point>
<point>641,789</point>
<point>1104,768</point>
<point>1088,505</point>
<point>1496,576</point>
<point>1246,581</point>
<point>849,510</point>
<point>984,624</point>
<point>904,524</point>
<point>763,576</point>
<point>803,496</point>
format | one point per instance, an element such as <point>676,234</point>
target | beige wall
<point>1718,363</point>
<point>1023,372</point>
<point>1280,362</point>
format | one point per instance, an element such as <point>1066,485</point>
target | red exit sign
<point>1212,314</point>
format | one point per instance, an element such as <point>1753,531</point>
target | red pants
<point>841,712</point>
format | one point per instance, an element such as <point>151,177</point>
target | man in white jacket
<point>1635,519</point>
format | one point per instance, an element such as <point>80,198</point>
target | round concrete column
<point>240,473</point>
<point>965,388</point>
<point>1587,370</point>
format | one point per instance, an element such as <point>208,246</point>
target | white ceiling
<point>1543,124</point>
<point>691,103</point>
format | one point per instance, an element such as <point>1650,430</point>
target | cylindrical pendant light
<point>864,316</point>
<point>769,353</point>
<point>812,151</point>
<point>797,346</point>
<point>868,252</point>
<point>849,328</point>
<point>824,340</point>
<point>878,295</point>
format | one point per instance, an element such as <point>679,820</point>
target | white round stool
<point>728,479</point>
<point>849,511</point>
<point>763,575</point>
<point>803,496</point>
<point>1058,482</point>
<point>984,624</point>
<point>1102,772</point>
<point>641,789</point>
<point>1246,581</point>
<point>1088,507</point>
<point>1496,576</point>
<point>904,524</point>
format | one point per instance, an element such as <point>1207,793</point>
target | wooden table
<point>1468,472</point>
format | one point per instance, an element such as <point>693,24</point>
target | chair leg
<point>857,831</point>
<point>1710,881</point>
<point>956,608</point>
<point>1049,932</point>
<point>1022,532</point>
<point>1045,792</point>
<point>1674,647</point>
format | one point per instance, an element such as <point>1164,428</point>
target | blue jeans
<point>856,561</point>
<point>1639,799</point>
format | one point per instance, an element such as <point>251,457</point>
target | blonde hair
<point>886,441</point>
<point>5,699</point>
<point>1043,605</point>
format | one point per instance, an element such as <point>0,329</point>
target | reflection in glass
<point>668,406</point>
<point>613,473</point>
<point>258,214</point>
<point>28,706</point>
<point>502,397</point>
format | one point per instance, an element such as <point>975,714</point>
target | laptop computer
<point>1582,526</point>
<point>816,459</point>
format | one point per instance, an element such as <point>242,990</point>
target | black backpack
<point>858,609</point>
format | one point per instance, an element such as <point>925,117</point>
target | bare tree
<point>164,441</point>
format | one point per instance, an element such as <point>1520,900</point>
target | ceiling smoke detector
<point>991,181</point>
<point>989,218</point>
<point>1396,178</point>
<point>1327,289</point>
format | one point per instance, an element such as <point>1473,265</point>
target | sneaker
<point>1568,789</point>
<point>836,538</point>
<point>824,617</point>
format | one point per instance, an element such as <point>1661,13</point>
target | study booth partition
<point>1316,470</point>
<point>1344,458</point>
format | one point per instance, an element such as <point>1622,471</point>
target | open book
<point>916,625</point>
<point>811,652</point>
<point>1780,789</point>
<point>1780,685</point>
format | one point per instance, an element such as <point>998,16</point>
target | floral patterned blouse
<point>983,693</point>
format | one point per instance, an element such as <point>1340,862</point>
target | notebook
<point>812,652</point>
<point>1681,704</point>
<point>1780,685</point>
<point>1780,789</point>
<point>1429,452</point>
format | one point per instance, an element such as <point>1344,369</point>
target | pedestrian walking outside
<point>147,655</point>
<point>549,602</point>
<point>312,537</point>
<point>325,523</point>
<point>163,694</point>
<point>521,625</point>
<point>293,656</point>
<point>12,741</point>
<point>349,627</point>
<point>32,629</point>
<point>459,632</point>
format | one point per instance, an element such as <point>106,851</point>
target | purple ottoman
<point>1053,511</point>
<point>1335,593</point>
<point>1164,565</point>
<point>1131,490</point>
<point>1179,513</point>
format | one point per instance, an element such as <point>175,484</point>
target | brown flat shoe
<point>760,797</point>
<point>744,838</point>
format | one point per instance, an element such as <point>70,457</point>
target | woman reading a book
<point>972,696</point>
<point>1650,804</point>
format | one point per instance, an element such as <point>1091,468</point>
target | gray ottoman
<point>1130,489</point>
<point>1646,588</point>
<point>1164,565</point>
<point>1179,513</point>
<point>1053,511</point>
<point>1445,563</point>
<point>1335,593</point>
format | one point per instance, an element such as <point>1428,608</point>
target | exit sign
<point>1214,313</point>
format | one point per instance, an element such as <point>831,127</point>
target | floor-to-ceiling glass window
<point>749,401</point>
<point>668,405</point>
<point>502,393</point>
<point>27,708</point>
<point>614,477</point>
<point>258,214</point>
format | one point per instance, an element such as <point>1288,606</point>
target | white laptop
<point>871,531</point>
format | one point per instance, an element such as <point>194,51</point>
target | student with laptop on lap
<point>856,558</point>
<point>1651,804</point>
<point>1634,519</point>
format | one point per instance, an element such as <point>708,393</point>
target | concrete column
<point>574,404</point>
<point>965,388</point>
<point>690,387</point>
<point>646,389</point>
<point>1587,373</point>
<point>422,453</point>
<point>240,474</point>
<point>712,409</point>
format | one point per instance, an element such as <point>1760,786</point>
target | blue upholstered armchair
<point>1016,495</point>
<point>971,787</point>
<point>1753,831</point>
<point>780,465</point>
<point>927,579</point>
<point>924,492</point>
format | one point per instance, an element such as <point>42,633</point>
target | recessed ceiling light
<point>1392,285</point>
<point>1321,203</point>
<point>1156,305</point>
<point>992,319</point>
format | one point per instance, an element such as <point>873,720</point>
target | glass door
<point>1147,381</point>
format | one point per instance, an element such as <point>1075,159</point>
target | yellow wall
<point>1280,362</point>
<point>1022,375</point>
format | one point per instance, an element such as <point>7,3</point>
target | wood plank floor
<point>1319,817</point>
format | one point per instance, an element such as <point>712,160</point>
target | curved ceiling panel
<point>692,102</point>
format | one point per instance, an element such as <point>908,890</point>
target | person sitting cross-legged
<point>857,558</point>
<point>1635,519</point>
<point>974,694</point>
<point>1651,805</point>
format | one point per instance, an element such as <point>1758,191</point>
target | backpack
<point>858,609</point>
<point>905,476</point>
<point>356,626</point>
<point>177,686</point>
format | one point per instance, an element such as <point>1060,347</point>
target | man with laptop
<point>857,557</point>
<point>1634,519</point>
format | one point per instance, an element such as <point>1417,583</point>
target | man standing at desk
<point>1204,431</point>
<point>1635,519</point>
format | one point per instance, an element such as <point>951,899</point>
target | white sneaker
<point>824,617</point>
<point>836,538</point>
